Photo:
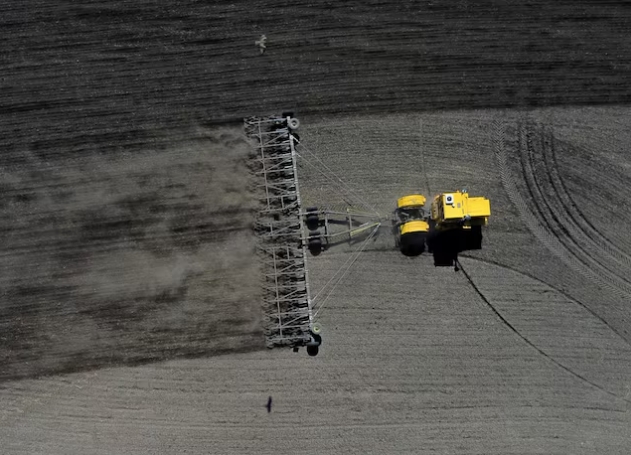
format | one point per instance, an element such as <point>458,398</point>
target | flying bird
<point>261,43</point>
<point>269,404</point>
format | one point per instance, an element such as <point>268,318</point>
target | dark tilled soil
<point>125,227</point>
<point>99,72</point>
<point>127,257</point>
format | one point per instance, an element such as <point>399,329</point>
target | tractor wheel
<point>293,123</point>
<point>412,244</point>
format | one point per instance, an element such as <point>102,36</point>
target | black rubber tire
<point>313,350</point>
<point>312,222</point>
<point>315,245</point>
<point>412,244</point>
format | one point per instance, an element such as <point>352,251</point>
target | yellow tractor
<point>454,224</point>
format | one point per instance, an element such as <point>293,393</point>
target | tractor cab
<point>458,210</point>
<point>456,225</point>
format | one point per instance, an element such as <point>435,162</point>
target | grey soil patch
<point>412,359</point>
<point>127,257</point>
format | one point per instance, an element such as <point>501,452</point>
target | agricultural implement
<point>282,243</point>
<point>288,233</point>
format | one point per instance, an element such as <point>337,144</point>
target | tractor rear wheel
<point>412,244</point>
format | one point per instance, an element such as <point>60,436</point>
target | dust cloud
<point>134,256</point>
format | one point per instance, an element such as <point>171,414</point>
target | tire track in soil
<point>544,202</point>
<point>504,173</point>
<point>579,228</point>
<point>532,344</point>
<point>538,221</point>
<point>556,289</point>
<point>575,212</point>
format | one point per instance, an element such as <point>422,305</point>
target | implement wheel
<point>315,243</point>
<point>314,345</point>
<point>312,219</point>
<point>293,123</point>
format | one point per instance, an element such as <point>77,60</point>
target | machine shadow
<point>446,246</point>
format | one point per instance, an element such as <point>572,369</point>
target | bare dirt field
<point>534,357</point>
<point>105,71</point>
<point>126,214</point>
<point>121,258</point>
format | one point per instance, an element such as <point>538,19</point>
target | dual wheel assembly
<point>315,340</point>
<point>314,240</point>
<point>313,346</point>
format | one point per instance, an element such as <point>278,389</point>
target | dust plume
<point>131,256</point>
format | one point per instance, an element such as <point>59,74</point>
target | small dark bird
<point>269,404</point>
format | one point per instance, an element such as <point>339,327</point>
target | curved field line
<point>557,217</point>
<point>531,344</point>
<point>623,248</point>
<point>574,210</point>
<point>560,291</point>
<point>529,218</point>
<point>531,168</point>
<point>600,252</point>
<point>536,221</point>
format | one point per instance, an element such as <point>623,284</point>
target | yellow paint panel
<point>414,226</point>
<point>479,207</point>
<point>462,205</point>
<point>411,200</point>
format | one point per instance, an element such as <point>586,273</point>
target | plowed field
<point>126,212</point>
